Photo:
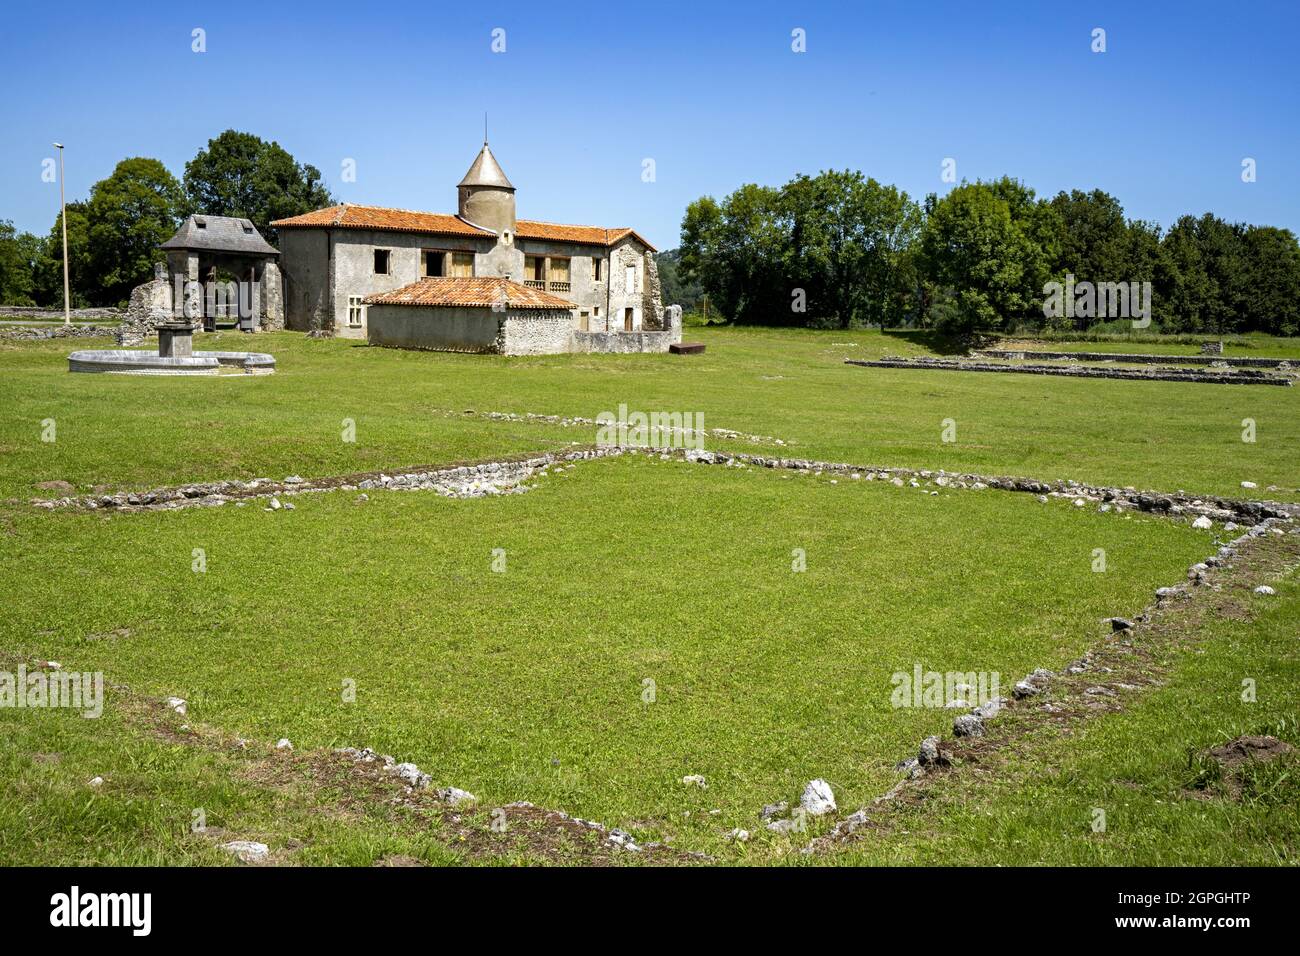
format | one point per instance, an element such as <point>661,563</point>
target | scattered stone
<point>456,796</point>
<point>1119,624</point>
<point>773,810</point>
<point>275,504</point>
<point>990,708</point>
<point>96,781</point>
<point>1249,484</point>
<point>1100,691</point>
<point>411,774</point>
<point>931,754</point>
<point>177,704</point>
<point>294,480</point>
<point>738,835</point>
<point>783,826</point>
<point>817,799</point>
<point>695,780</point>
<point>246,850</point>
<point>968,725</point>
<point>1264,589</point>
<point>1203,523</point>
<point>283,744</point>
<point>1034,684</point>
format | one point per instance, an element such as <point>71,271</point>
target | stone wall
<point>623,342</point>
<point>541,332</point>
<point>439,329</point>
<point>151,303</point>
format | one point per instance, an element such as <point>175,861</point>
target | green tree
<point>676,288</point>
<point>19,252</point>
<point>980,260</point>
<point>47,277</point>
<point>242,175</point>
<point>848,234</point>
<point>129,215</point>
<point>1271,266</point>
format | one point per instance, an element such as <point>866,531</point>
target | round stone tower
<point>486,197</point>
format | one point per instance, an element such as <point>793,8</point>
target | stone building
<point>479,280</point>
<point>219,271</point>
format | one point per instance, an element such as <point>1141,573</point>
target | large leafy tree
<point>19,252</point>
<point>1271,262</point>
<point>47,277</point>
<point>1208,288</point>
<point>848,235</point>
<point>129,215</point>
<point>980,259</point>
<point>242,175</point>
<point>1093,237</point>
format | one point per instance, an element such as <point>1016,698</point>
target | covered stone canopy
<point>216,250</point>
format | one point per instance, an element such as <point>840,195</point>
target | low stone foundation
<point>622,342</point>
<point>1238,377</point>
<point>1135,358</point>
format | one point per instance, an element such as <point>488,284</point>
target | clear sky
<point>714,94</point>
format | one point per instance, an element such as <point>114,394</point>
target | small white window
<point>355,311</point>
<point>631,279</point>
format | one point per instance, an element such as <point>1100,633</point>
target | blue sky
<point>713,93</point>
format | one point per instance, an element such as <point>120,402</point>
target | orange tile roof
<point>349,216</point>
<point>588,235</point>
<point>477,292</point>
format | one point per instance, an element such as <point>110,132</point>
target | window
<point>355,311</point>
<point>430,263</point>
<point>595,268</point>
<point>584,321</point>
<point>630,281</point>
<point>558,275</point>
<point>462,264</point>
<point>534,269</point>
<point>381,262</point>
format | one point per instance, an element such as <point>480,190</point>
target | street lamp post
<point>63,217</point>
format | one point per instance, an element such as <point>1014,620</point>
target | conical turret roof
<point>486,171</point>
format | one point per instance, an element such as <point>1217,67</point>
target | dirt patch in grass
<point>1236,752</point>
<point>352,791</point>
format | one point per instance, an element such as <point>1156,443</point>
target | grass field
<point>530,684</point>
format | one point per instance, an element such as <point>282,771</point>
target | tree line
<point>840,250</point>
<point>114,233</point>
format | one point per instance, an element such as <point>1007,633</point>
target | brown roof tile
<point>349,216</point>
<point>477,292</point>
<point>588,235</point>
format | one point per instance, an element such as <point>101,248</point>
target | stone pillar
<point>674,323</point>
<point>272,296</point>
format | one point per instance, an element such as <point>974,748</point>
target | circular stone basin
<point>141,362</point>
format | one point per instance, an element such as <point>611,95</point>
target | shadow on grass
<point>936,342</point>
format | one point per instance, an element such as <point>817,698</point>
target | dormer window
<point>200,222</point>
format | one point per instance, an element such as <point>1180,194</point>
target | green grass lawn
<point>408,410</point>
<point>529,684</point>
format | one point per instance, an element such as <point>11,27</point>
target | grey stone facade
<point>331,261</point>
